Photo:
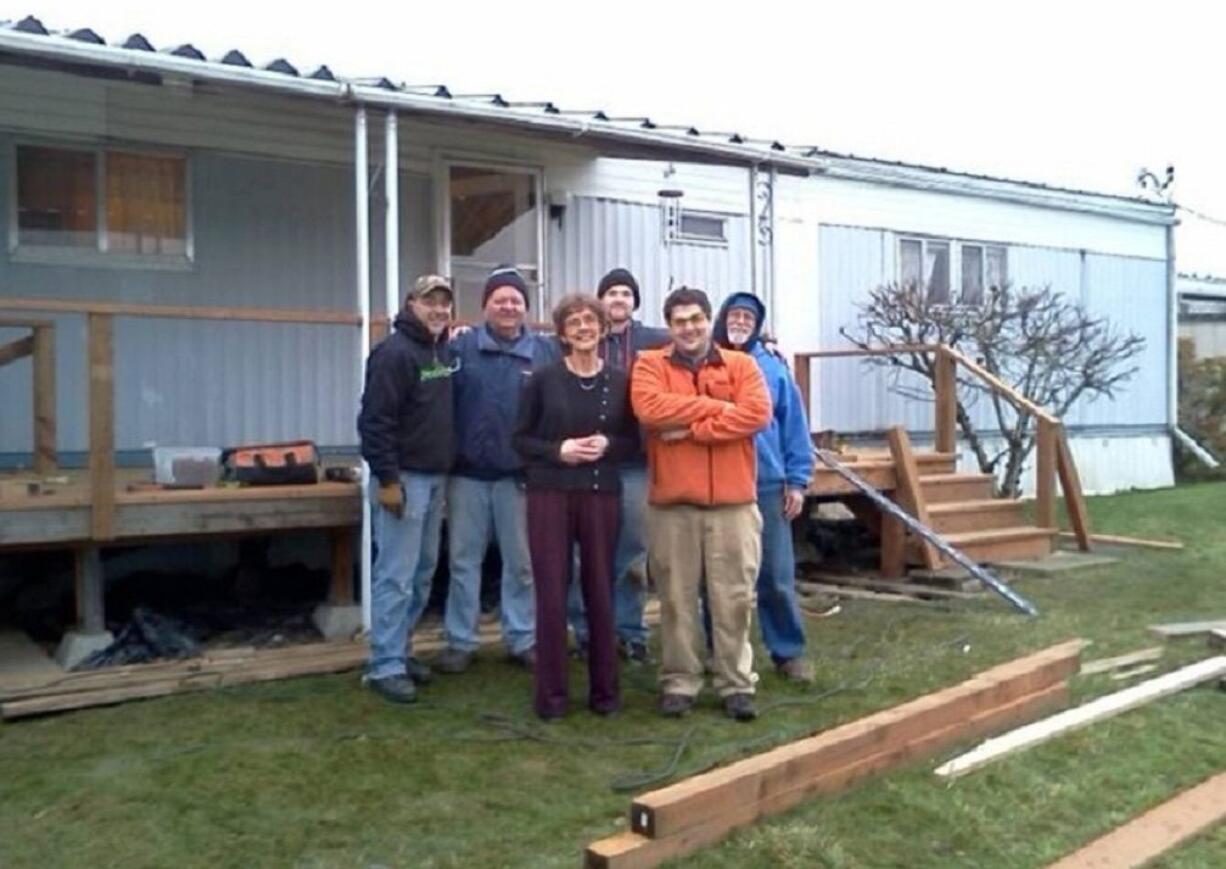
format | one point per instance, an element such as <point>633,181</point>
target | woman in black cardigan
<point>575,426</point>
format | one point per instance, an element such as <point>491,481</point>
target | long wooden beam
<point>1083,716</point>
<point>185,312</point>
<point>699,811</point>
<point>1155,832</point>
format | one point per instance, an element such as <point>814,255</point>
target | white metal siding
<point>599,234</point>
<point>855,397</point>
<point>268,234</point>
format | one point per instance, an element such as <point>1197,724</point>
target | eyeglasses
<point>577,321</point>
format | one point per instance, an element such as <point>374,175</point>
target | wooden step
<point>877,469</point>
<point>953,517</point>
<point>943,488</point>
<point>1018,543</point>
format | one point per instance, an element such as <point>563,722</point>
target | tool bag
<point>281,464</point>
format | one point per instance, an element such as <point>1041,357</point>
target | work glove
<point>391,498</point>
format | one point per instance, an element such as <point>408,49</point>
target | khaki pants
<point>721,546</point>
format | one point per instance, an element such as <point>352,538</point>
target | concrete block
<point>337,622</point>
<point>77,645</point>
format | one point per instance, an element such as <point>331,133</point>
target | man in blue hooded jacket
<point>785,468</point>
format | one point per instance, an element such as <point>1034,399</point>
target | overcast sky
<point>1070,93</point>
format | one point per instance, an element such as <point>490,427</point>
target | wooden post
<point>341,593</point>
<point>91,611</point>
<point>946,384</point>
<point>101,426</point>
<point>800,370</point>
<point>910,491</point>
<point>893,547</point>
<point>45,461</point>
<point>1045,474</point>
<point>1070,482</point>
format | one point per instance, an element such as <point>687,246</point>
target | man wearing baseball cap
<point>486,499</point>
<point>619,293</point>
<point>407,435</point>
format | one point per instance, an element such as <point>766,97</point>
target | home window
<point>708,228</point>
<point>692,227</point>
<point>100,206</point>
<point>938,265</point>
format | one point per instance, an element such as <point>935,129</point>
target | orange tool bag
<point>283,464</point>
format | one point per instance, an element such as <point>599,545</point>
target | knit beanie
<point>505,276</point>
<point>619,278</point>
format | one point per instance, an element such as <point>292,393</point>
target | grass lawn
<point>319,772</point>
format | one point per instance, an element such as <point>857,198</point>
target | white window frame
<point>672,213</point>
<point>99,256</point>
<point>442,196</point>
<point>955,262</point>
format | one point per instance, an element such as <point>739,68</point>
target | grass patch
<point>320,773</point>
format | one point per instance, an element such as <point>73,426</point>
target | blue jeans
<point>479,511</point>
<point>405,559</point>
<point>628,596</point>
<point>783,628</point>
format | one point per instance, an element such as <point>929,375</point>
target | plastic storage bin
<point>187,466</point>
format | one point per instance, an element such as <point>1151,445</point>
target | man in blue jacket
<point>406,429</point>
<point>485,497</point>
<point>785,467</point>
<point>618,292</point>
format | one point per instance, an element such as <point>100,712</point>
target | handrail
<point>185,312</point>
<point>1053,455</point>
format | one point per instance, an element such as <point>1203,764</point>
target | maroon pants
<point>556,521</point>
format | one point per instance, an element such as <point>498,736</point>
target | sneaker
<point>394,689</point>
<point>579,652</point>
<point>525,659</point>
<point>452,661</point>
<point>633,652</point>
<point>796,670</point>
<point>675,705</point>
<point>418,671</point>
<point>740,707</point>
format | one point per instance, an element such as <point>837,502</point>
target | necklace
<point>587,382</point>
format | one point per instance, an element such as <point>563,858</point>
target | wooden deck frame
<point>40,346</point>
<point>86,518</point>
<point>1054,458</point>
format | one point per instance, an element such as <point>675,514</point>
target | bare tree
<point>1044,345</point>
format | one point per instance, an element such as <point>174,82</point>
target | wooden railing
<point>40,345</point>
<point>1053,458</point>
<point>101,376</point>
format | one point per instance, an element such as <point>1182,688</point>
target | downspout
<point>362,279</point>
<point>753,228</point>
<point>1205,457</point>
<point>772,258</point>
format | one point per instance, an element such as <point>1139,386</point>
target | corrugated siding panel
<point>268,234</point>
<point>599,234</point>
<point>855,397</point>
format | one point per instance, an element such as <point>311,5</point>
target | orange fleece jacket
<point>722,405</point>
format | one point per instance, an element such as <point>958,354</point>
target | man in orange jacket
<point>702,406</point>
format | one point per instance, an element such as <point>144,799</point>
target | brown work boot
<point>675,705</point>
<point>797,670</point>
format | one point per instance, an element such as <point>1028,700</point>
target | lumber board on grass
<point>1134,672</point>
<point>673,808</point>
<point>1217,638</point>
<point>1187,629</point>
<point>873,583</point>
<point>1106,665</point>
<point>859,593</point>
<point>1119,540</point>
<point>1156,831</point>
<point>637,850</point>
<point>1083,716</point>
